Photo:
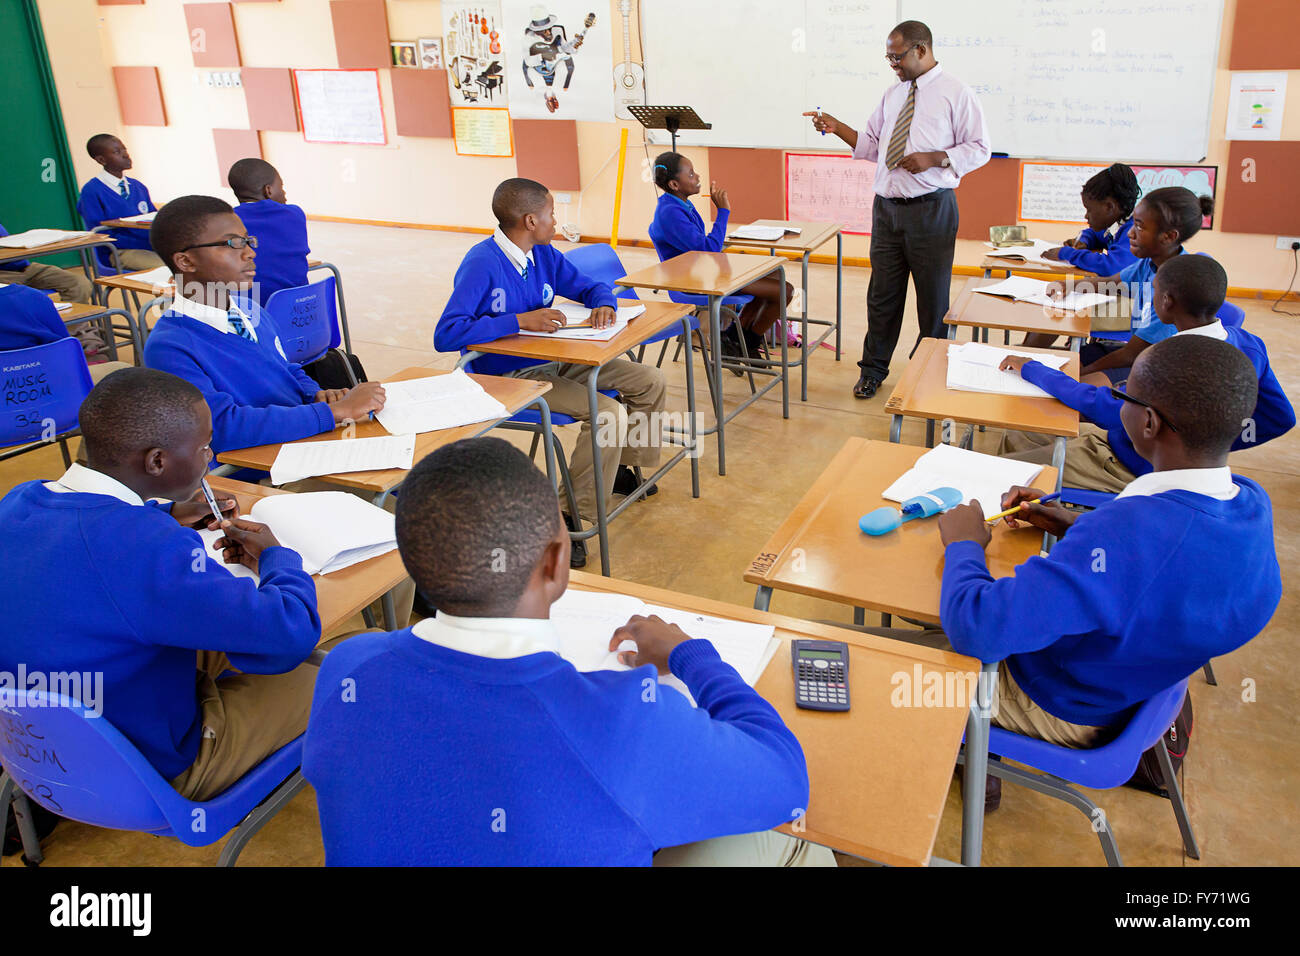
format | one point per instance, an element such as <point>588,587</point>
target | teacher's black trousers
<point>914,237</point>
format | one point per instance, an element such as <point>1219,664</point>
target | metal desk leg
<point>343,309</point>
<point>896,429</point>
<point>690,407</point>
<point>1058,460</point>
<point>762,598</point>
<point>602,526</point>
<point>976,766</point>
<point>803,359</point>
<point>785,347</point>
<point>929,433</point>
<point>545,411</point>
<point>390,612</point>
<point>839,289</point>
<point>860,616</point>
<point>1075,343</point>
<point>715,335</point>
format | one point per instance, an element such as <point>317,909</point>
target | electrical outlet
<point>562,199</point>
<point>1288,242</point>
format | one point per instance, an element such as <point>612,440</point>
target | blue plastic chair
<point>54,381</point>
<point>82,768</point>
<point>307,318</point>
<point>1101,768</point>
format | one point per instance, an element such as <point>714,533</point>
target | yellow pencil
<point>1010,511</point>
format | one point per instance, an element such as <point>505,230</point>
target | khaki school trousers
<point>71,284</point>
<point>1089,461</point>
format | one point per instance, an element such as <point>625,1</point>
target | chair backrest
<point>1231,315</point>
<point>76,764</point>
<point>307,318</point>
<point>42,389</point>
<point>600,261</point>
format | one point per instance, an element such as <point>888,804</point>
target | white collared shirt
<point>79,478</point>
<point>516,255</point>
<point>210,316</point>
<point>1214,330</point>
<point>1214,483</point>
<point>113,182</point>
<point>495,637</point>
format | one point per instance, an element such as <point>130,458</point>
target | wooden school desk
<point>878,774</point>
<point>82,245</point>
<point>819,551</point>
<point>340,594</point>
<point>984,312</point>
<point>656,317</point>
<point>718,275</point>
<point>922,392</point>
<point>1039,270</point>
<point>812,235</point>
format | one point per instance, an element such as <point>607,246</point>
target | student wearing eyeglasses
<point>216,337</point>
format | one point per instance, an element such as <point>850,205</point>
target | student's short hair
<point>98,143</point>
<point>1180,209</point>
<point>914,32</point>
<point>667,166</point>
<point>1198,283</point>
<point>1116,182</point>
<point>516,198</point>
<point>248,177</point>
<point>1207,388</point>
<point>133,410</point>
<point>473,520</point>
<point>179,224</point>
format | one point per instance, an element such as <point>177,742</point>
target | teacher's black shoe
<point>577,549</point>
<point>866,387</point>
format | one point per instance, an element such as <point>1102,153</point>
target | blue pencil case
<point>883,520</point>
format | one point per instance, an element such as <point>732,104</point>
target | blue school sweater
<point>677,227</point>
<point>441,757</point>
<point>13,265</point>
<point>1273,415</point>
<point>1105,254</point>
<point>27,318</point>
<point>1138,279</point>
<point>256,395</point>
<point>98,202</point>
<point>92,583</point>
<point>488,293</point>
<point>1136,596</point>
<point>282,250</point>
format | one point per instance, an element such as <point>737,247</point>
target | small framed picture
<point>430,53</point>
<point>404,53</point>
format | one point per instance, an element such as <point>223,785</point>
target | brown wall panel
<point>421,104</point>
<point>233,145</point>
<point>988,197</point>
<point>216,44</point>
<point>1265,201</point>
<point>139,96</point>
<point>361,34</point>
<point>1264,35</point>
<point>269,93</point>
<point>547,151</point>
<point>754,180</point>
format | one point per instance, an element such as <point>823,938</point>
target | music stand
<point>671,118</point>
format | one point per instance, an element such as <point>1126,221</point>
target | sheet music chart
<point>820,188</point>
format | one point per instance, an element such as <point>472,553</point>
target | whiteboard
<point>1065,79</point>
<point>340,106</point>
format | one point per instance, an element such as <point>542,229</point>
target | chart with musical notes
<point>819,187</point>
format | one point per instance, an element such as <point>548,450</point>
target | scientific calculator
<point>821,674</point>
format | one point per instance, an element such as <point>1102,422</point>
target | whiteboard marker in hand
<point>819,121</point>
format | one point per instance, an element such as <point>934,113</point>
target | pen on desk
<point>212,501</point>
<point>1010,511</point>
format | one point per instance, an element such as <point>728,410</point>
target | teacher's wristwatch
<point>945,162</point>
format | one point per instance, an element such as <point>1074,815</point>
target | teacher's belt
<point>909,200</point>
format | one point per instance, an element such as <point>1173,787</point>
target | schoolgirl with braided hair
<point>1108,201</point>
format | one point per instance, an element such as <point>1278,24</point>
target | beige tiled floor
<point>1240,779</point>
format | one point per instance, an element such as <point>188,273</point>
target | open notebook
<point>331,530</point>
<point>1025,289</point>
<point>586,620</point>
<point>159,277</point>
<point>973,367</point>
<point>985,478</point>
<point>1032,253</point>
<point>38,237</point>
<point>308,459</point>
<point>578,318</point>
<point>440,401</point>
<point>142,217</point>
<point>765,233</point>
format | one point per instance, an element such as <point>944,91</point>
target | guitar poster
<point>560,59</point>
<point>473,52</point>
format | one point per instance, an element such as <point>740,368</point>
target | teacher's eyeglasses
<point>1124,396</point>
<point>897,58</point>
<point>234,242</point>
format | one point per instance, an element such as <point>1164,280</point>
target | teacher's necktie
<point>902,125</point>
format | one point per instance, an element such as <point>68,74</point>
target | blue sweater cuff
<point>959,550</point>
<point>688,656</point>
<point>324,417</point>
<point>278,558</point>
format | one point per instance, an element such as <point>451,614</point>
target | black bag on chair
<point>1176,739</point>
<point>328,371</point>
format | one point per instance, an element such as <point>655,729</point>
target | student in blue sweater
<point>97,577</point>
<point>1108,201</point>
<point>114,195</point>
<point>467,739</point>
<point>71,284</point>
<point>29,318</point>
<point>678,228</point>
<point>226,345</point>
<point>1187,293</point>
<point>1143,591</point>
<point>280,227</point>
<point>509,282</point>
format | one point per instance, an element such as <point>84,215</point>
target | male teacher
<point>927,132</point>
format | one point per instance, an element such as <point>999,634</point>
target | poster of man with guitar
<point>546,48</point>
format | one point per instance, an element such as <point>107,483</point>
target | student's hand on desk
<point>965,523</point>
<point>1073,244</point>
<point>1014,363</point>
<point>328,395</point>
<point>654,637</point>
<point>244,541</point>
<point>1050,517</point>
<point>603,317</point>
<point>196,514</point>
<point>1053,254</point>
<point>719,196</point>
<point>542,320</point>
<point>357,403</point>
